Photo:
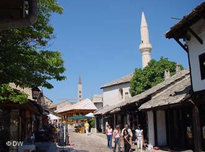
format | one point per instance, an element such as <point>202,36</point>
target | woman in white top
<point>139,135</point>
<point>117,138</point>
<point>109,136</point>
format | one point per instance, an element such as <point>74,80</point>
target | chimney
<point>178,68</point>
<point>166,74</point>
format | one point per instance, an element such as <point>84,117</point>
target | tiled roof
<point>104,110</point>
<point>60,103</point>
<point>148,93</point>
<point>97,98</point>
<point>85,104</point>
<point>160,87</point>
<point>179,29</point>
<point>176,93</point>
<point>122,80</point>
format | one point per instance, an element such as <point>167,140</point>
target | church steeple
<point>145,46</point>
<point>79,89</point>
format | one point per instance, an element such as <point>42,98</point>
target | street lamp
<point>35,92</point>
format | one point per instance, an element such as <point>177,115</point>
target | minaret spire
<point>145,46</point>
<point>80,89</point>
<point>79,81</point>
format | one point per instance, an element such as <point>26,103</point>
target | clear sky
<point>99,40</point>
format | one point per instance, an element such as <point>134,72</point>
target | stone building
<point>189,33</point>
<point>116,91</point>
<point>98,101</point>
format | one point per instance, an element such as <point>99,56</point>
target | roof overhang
<point>76,110</point>
<point>111,85</point>
<point>180,29</point>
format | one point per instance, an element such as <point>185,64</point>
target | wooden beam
<point>196,127</point>
<point>185,47</point>
<point>195,35</point>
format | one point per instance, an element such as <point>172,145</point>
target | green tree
<point>151,75</point>
<point>24,57</point>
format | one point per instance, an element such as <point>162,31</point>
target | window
<point>121,93</point>
<point>126,95</point>
<point>202,65</point>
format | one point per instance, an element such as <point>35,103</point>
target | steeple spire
<point>145,46</point>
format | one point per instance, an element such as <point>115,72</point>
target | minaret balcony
<point>145,47</point>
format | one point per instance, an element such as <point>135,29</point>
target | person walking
<point>127,141</point>
<point>117,137</point>
<point>140,137</point>
<point>109,133</point>
<point>127,127</point>
<point>86,125</point>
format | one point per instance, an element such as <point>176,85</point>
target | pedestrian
<point>127,127</point>
<point>86,125</point>
<point>127,141</point>
<point>140,137</point>
<point>117,137</point>
<point>106,125</point>
<point>109,133</point>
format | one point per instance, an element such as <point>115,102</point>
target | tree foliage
<point>151,75</point>
<point>10,94</point>
<point>24,59</point>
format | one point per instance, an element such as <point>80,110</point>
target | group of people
<point>85,124</point>
<point>123,138</point>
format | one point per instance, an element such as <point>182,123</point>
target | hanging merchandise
<point>189,132</point>
<point>203,132</point>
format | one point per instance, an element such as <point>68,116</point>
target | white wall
<point>195,49</point>
<point>161,128</point>
<point>111,95</point>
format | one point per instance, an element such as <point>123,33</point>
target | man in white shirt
<point>128,129</point>
<point>140,137</point>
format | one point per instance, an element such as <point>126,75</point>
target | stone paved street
<point>82,143</point>
<point>91,143</point>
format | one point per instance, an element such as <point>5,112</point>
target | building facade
<point>191,29</point>
<point>116,91</point>
<point>98,101</point>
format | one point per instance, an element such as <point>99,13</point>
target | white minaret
<point>145,46</point>
<point>79,89</point>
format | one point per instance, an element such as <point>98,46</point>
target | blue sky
<point>99,40</point>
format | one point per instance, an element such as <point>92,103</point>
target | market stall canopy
<point>53,117</point>
<point>80,117</point>
<point>90,115</point>
<point>85,104</point>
